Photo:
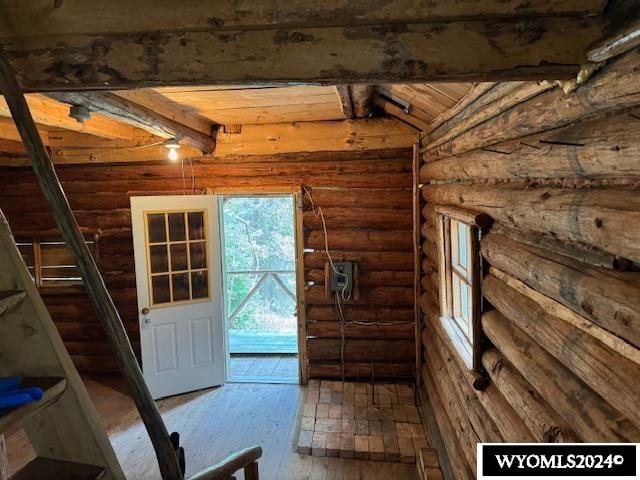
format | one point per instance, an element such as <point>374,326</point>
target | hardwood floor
<point>214,423</point>
<point>264,368</point>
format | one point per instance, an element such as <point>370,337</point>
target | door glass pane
<point>178,257</point>
<point>156,227</point>
<point>199,284</point>
<point>176,227</point>
<point>160,289</point>
<point>196,225</point>
<point>158,258</point>
<point>198,255</point>
<point>183,254</point>
<point>180,283</point>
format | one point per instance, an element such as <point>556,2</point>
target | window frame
<point>466,338</point>
<point>168,242</point>
<point>36,239</point>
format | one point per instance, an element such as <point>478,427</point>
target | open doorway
<point>259,276</point>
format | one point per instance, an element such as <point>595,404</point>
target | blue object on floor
<point>9,383</point>
<point>12,396</point>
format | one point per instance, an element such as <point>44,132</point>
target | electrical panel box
<point>341,279</point>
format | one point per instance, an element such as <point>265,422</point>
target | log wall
<point>560,175</point>
<point>366,197</point>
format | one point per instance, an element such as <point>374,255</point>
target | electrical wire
<point>344,295</point>
<point>184,180</point>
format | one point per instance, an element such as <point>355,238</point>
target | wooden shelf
<point>10,299</point>
<point>50,469</point>
<point>53,388</point>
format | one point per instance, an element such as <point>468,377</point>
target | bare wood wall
<point>366,198</point>
<point>559,173</point>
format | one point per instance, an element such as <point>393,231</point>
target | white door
<point>177,257</point>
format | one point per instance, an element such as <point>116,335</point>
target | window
<point>49,261</point>
<point>177,256</point>
<point>459,283</point>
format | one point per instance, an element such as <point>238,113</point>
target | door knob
<point>146,321</point>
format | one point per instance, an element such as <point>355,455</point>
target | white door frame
<point>296,193</point>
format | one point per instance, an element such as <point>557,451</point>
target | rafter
<point>124,110</point>
<point>47,111</point>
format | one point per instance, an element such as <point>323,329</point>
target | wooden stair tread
<point>53,388</point>
<point>10,299</point>
<point>50,469</point>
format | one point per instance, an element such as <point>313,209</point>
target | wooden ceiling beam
<point>131,113</point>
<point>269,139</point>
<point>461,50</point>
<point>344,135</point>
<point>49,112</point>
<point>42,17</point>
<point>9,131</point>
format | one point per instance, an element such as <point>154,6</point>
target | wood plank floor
<point>263,368</point>
<point>214,423</point>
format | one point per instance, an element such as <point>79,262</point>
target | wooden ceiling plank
<point>167,108</point>
<point>47,111</point>
<point>420,105</point>
<point>394,110</point>
<point>472,94</point>
<point>139,116</point>
<point>42,17</point>
<point>538,48</point>
<point>280,114</point>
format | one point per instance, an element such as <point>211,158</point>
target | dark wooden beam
<point>129,112</point>
<point>92,279</point>
<point>361,96</point>
<point>45,17</point>
<point>346,104</point>
<point>500,49</point>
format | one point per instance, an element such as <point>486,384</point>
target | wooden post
<point>251,471</point>
<point>93,282</point>
<point>417,254</point>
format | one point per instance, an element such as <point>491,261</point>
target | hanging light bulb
<point>173,147</point>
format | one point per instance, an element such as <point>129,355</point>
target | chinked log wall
<point>366,198</point>
<point>560,175</point>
